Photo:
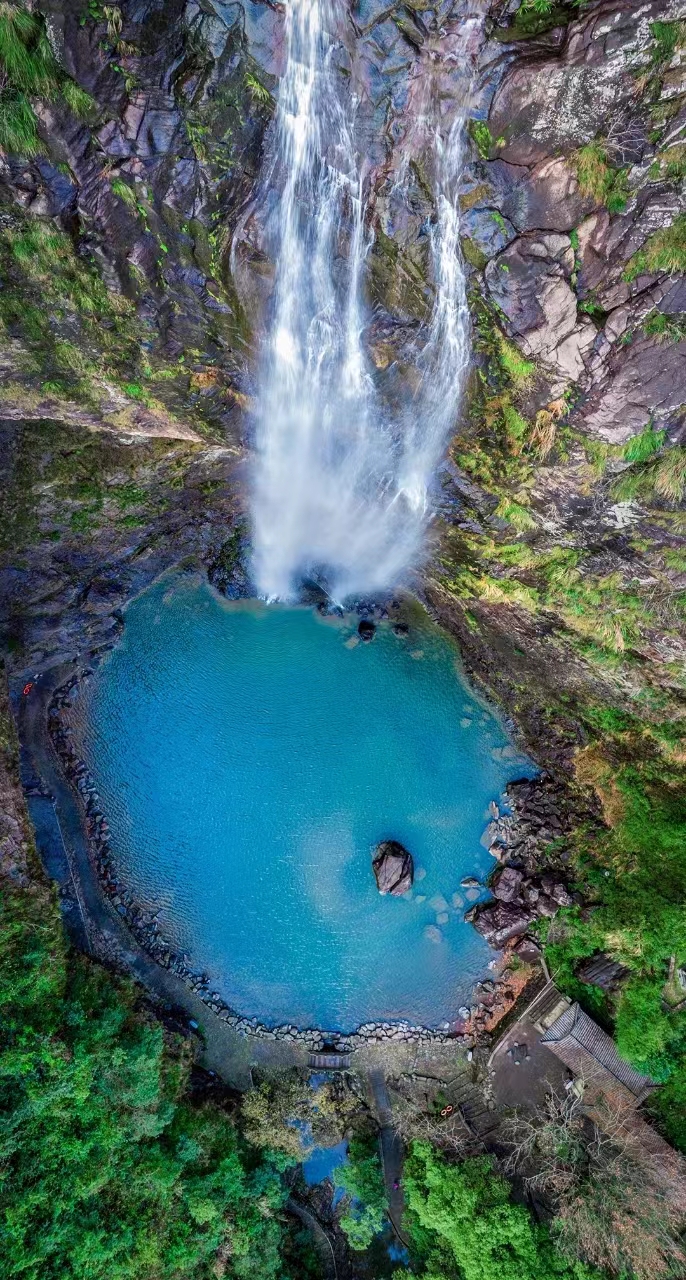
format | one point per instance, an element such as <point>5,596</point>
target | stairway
<point>329,1061</point>
<point>470,1102</point>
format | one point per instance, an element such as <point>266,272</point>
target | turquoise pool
<point>249,758</point>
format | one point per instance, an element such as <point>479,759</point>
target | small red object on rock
<point>27,688</point>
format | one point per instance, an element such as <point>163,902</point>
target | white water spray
<point>341,490</point>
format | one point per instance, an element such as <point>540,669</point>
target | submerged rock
<point>433,934</point>
<point>393,868</point>
<point>366,630</point>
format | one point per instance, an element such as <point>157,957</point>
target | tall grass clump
<point>29,71</point>
<point>663,252</point>
<point>598,179</point>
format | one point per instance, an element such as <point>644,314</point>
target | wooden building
<point>591,1055</point>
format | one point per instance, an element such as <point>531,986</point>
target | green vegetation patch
<point>598,179</point>
<point>463,1222</point>
<point>29,70</point>
<point>482,137</point>
<point>50,296</point>
<point>533,17</point>
<point>361,1178</point>
<point>72,477</point>
<point>663,252</point>
<point>107,1168</point>
<point>665,327</point>
<point>667,37</point>
<point>635,875</point>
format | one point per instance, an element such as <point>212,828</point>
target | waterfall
<point>341,487</point>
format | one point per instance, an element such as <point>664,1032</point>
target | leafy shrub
<point>666,328</point>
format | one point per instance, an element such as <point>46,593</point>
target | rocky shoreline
<point>516,839</point>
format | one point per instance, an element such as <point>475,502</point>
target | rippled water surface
<point>250,757</point>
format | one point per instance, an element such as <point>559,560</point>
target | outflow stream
<point>341,489</point>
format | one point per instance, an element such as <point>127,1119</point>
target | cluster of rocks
<point>405,1031</point>
<point>370,613</point>
<point>144,924</point>
<point>519,840</point>
<point>493,999</point>
<point>541,813</point>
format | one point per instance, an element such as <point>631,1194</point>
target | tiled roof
<point>575,1035</point>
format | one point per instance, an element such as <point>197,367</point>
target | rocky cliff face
<point>135,268</point>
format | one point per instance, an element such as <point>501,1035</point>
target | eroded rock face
<point>185,127</point>
<point>529,283</point>
<point>546,105</point>
<point>393,868</point>
<point>545,197</point>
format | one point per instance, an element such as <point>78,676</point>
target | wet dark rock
<point>527,950</point>
<point>546,906</point>
<point>488,230</point>
<point>366,630</point>
<point>499,922</point>
<point>507,886</point>
<point>393,868</point>
<point>556,890</point>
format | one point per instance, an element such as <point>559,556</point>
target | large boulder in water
<point>393,868</point>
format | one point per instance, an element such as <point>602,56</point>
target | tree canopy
<point>107,1170</point>
<point>464,1225</point>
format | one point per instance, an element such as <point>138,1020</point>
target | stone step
<point>468,1099</point>
<point>329,1061</point>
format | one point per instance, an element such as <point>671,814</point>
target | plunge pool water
<point>250,757</point>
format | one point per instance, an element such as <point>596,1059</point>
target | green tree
<point>284,1114</point>
<point>107,1170</point>
<point>463,1223</point>
<point>362,1180</point>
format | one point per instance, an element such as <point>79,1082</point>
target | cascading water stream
<point>444,359</point>
<point>341,488</point>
